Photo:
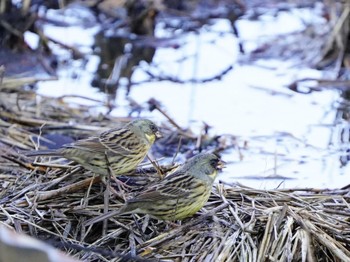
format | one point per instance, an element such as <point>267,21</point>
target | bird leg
<point>109,188</point>
<point>106,195</point>
<point>106,203</point>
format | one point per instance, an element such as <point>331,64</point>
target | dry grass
<point>51,199</point>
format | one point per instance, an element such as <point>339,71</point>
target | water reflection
<point>119,57</point>
<point>288,132</point>
<point>343,123</point>
<point>119,51</point>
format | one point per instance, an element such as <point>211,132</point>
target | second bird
<point>179,195</point>
<point>121,149</point>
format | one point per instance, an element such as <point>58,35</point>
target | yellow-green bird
<point>179,195</point>
<point>122,149</point>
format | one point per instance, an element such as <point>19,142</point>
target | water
<point>284,137</point>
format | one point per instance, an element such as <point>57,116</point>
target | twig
<point>41,196</point>
<point>155,165</point>
<point>177,150</point>
<point>154,104</point>
<point>176,231</point>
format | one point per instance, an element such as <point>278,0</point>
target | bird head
<point>149,128</point>
<point>205,166</point>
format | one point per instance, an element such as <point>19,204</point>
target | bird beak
<point>221,164</point>
<point>158,134</point>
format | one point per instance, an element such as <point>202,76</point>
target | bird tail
<point>48,152</point>
<point>126,209</point>
<point>101,217</point>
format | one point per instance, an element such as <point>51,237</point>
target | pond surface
<point>286,139</point>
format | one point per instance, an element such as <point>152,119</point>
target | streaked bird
<point>179,195</point>
<point>121,149</point>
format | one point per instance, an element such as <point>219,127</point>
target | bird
<point>121,149</point>
<point>179,195</point>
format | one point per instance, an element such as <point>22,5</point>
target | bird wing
<point>167,189</point>
<point>90,144</point>
<point>121,141</point>
<point>172,193</point>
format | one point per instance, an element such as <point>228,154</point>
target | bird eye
<point>214,162</point>
<point>154,128</point>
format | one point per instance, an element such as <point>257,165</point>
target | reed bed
<point>50,199</point>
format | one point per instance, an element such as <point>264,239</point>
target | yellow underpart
<point>151,138</point>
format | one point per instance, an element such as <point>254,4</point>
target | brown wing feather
<point>116,141</point>
<point>167,189</point>
<point>90,144</point>
<point>150,196</point>
<point>121,141</point>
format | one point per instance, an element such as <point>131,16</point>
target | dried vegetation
<point>50,199</point>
